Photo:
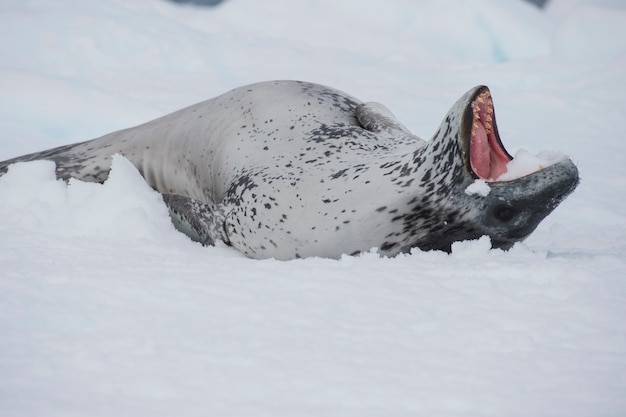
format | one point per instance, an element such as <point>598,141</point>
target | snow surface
<point>106,310</point>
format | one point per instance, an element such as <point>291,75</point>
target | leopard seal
<point>290,169</point>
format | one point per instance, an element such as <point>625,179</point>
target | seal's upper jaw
<point>485,156</point>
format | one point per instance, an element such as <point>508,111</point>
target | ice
<point>106,310</point>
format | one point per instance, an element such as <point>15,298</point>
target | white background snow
<point>106,310</point>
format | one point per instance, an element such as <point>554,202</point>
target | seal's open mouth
<point>487,156</point>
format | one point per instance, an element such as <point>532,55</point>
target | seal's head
<point>512,208</point>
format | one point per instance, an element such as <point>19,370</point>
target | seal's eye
<point>504,213</point>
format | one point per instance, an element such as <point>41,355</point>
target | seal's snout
<point>515,208</point>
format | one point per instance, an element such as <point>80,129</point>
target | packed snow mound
<point>123,207</point>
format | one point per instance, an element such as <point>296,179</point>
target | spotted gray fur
<point>289,169</point>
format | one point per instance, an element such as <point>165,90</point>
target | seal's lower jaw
<point>486,156</point>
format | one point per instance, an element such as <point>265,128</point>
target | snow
<point>524,163</point>
<point>478,187</point>
<point>105,309</point>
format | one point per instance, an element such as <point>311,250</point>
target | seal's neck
<point>467,145</point>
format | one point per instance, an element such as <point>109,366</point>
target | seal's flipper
<point>202,222</point>
<point>87,161</point>
<point>377,118</point>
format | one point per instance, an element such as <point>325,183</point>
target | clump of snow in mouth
<point>524,163</point>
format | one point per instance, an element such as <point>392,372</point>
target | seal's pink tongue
<point>487,157</point>
<point>480,153</point>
